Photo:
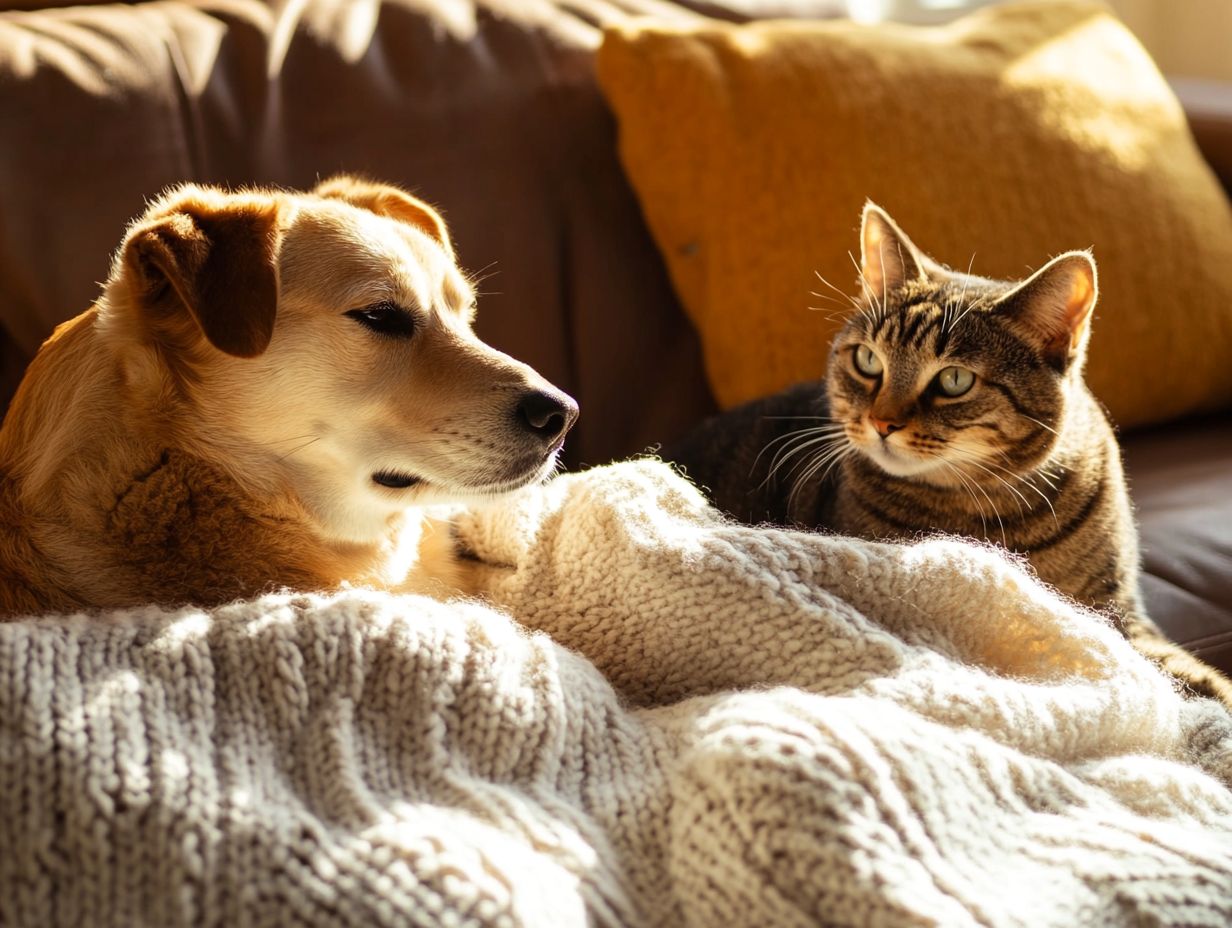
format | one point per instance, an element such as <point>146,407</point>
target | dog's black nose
<point>548,415</point>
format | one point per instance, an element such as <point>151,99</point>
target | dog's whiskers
<point>297,448</point>
<point>484,273</point>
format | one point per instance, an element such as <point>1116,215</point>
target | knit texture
<point>658,718</point>
<point>1008,136</point>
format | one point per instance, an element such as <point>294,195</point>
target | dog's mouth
<point>519,475</point>
<point>394,480</point>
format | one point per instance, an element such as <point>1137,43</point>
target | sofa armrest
<point>1208,106</point>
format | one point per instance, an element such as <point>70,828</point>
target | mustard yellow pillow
<point>1009,136</point>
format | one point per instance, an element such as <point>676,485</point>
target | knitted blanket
<point>657,718</point>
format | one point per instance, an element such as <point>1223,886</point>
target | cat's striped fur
<point>1024,456</point>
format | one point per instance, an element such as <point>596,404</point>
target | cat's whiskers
<point>796,442</point>
<point>1047,476</point>
<point>966,483</point>
<point>846,301</point>
<point>962,297</point>
<point>879,305</point>
<point>813,418</point>
<point>1043,425</point>
<point>975,304</point>
<point>1029,481</point>
<point>847,297</point>
<point>1042,495</point>
<point>788,452</point>
<point>965,313</point>
<point>880,254</point>
<point>996,513</point>
<point>810,431</point>
<point>828,316</point>
<point>947,313</point>
<point>969,457</point>
<point>827,459</point>
<point>829,443</point>
<point>831,316</point>
<point>885,300</point>
<point>978,486</point>
<point>828,427</point>
<point>859,307</point>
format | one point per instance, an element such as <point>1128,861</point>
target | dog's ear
<point>387,200</point>
<point>207,257</point>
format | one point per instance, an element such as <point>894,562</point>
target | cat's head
<point>940,371</point>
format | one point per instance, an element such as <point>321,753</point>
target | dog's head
<point>322,343</point>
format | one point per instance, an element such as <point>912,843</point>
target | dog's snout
<point>547,415</point>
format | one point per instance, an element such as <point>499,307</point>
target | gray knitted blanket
<point>657,718</point>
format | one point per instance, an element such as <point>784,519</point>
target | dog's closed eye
<point>385,318</point>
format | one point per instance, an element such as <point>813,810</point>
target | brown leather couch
<point>490,110</point>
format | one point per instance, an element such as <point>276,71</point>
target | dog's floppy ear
<point>208,257</point>
<point>387,200</point>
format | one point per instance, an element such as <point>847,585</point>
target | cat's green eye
<point>955,381</point>
<point>867,362</point>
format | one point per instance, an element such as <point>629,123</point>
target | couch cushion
<point>1181,481</point>
<point>997,141</point>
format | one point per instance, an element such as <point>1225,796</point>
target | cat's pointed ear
<point>1051,309</point>
<point>888,259</point>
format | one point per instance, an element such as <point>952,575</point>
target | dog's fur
<point>226,420</point>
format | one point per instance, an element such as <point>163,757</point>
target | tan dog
<point>269,390</point>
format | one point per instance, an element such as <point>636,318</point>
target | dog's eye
<point>385,319</point>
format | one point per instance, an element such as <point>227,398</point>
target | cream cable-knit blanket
<point>727,726</point>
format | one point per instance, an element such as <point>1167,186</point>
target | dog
<point>270,391</point>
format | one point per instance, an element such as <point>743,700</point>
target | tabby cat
<point>951,403</point>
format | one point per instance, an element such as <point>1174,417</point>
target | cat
<point>951,403</point>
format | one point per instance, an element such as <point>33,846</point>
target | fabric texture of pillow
<point>997,141</point>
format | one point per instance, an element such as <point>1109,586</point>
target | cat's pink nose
<point>884,426</point>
